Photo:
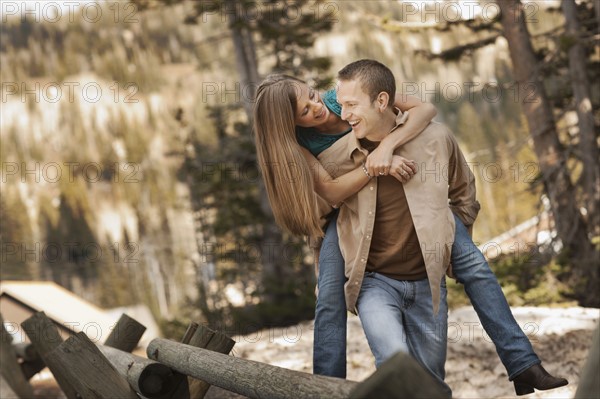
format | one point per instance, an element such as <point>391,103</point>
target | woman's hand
<point>402,169</point>
<point>379,161</point>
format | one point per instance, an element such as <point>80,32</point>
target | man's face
<point>310,110</point>
<point>358,109</point>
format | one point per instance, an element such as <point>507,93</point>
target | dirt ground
<point>560,336</point>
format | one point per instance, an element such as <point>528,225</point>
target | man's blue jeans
<point>469,268</point>
<point>329,350</point>
<point>397,316</point>
<point>472,270</point>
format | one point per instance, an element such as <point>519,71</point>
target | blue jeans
<point>472,270</point>
<point>469,267</point>
<point>329,350</point>
<point>397,316</point>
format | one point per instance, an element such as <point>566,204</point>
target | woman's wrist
<point>364,168</point>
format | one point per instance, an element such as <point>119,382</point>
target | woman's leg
<point>471,269</point>
<point>329,351</point>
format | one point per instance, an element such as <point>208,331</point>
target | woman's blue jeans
<point>469,267</point>
<point>472,270</point>
<point>329,350</point>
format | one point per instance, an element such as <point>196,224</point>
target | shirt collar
<point>354,144</point>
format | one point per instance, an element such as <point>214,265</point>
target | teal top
<point>313,140</point>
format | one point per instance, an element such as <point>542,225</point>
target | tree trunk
<point>597,12</point>
<point>245,57</point>
<point>570,226</point>
<point>271,244</point>
<point>588,147</point>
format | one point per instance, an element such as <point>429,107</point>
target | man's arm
<point>461,182</point>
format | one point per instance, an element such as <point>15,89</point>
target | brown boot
<point>536,377</point>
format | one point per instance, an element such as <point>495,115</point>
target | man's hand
<point>403,169</point>
<point>379,161</point>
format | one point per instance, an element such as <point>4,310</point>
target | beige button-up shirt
<point>443,184</point>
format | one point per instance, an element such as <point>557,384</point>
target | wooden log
<point>79,361</point>
<point>246,377</point>
<point>399,377</point>
<point>44,336</point>
<point>589,385</point>
<point>211,340</point>
<point>6,391</point>
<point>26,351</point>
<point>151,379</point>
<point>9,366</point>
<point>126,334</point>
<point>187,337</point>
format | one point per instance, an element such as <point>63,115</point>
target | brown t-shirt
<point>395,250</point>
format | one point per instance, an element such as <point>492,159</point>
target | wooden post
<point>215,341</point>
<point>187,337</point>
<point>32,362</point>
<point>151,379</point>
<point>6,391</point>
<point>589,385</point>
<point>43,334</point>
<point>126,334</point>
<point>399,377</point>
<point>246,377</point>
<point>79,361</point>
<point>9,367</point>
<point>189,333</point>
<point>26,351</point>
<point>30,369</point>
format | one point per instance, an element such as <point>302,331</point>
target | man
<point>397,239</point>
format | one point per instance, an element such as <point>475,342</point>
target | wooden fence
<point>185,369</point>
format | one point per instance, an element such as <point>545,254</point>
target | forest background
<point>129,172</point>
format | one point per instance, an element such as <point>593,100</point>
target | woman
<point>292,171</point>
<point>285,108</point>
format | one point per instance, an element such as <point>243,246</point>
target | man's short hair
<point>374,77</point>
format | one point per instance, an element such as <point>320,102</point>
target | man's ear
<point>382,101</point>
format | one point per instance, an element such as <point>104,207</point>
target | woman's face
<point>310,110</point>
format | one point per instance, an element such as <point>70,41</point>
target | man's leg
<point>329,350</point>
<point>380,312</point>
<point>471,269</point>
<point>427,333</point>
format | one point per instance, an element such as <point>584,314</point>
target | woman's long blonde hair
<point>286,173</point>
